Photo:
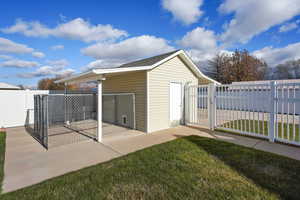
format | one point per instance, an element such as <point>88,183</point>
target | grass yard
<point>187,168</point>
<point>285,131</point>
<point>2,154</point>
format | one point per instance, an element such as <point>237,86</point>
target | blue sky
<point>41,39</point>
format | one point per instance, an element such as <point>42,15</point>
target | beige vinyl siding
<point>131,82</point>
<point>174,70</point>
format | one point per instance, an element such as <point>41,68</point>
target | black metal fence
<point>40,119</point>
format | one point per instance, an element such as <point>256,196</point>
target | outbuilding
<point>6,86</point>
<point>156,86</point>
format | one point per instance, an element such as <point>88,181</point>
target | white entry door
<point>175,103</point>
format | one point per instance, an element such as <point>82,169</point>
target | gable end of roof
<point>148,61</point>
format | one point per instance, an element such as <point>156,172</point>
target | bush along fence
<point>268,110</point>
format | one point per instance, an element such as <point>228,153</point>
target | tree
<point>216,67</point>
<point>49,84</point>
<point>287,70</point>
<point>240,66</point>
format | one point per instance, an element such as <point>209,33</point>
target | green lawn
<point>261,127</point>
<point>2,154</point>
<point>187,168</point>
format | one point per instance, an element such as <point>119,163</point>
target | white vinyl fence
<point>16,107</point>
<point>270,111</point>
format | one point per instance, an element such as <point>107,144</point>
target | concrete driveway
<point>27,162</point>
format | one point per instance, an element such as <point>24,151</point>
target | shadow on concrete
<point>205,130</point>
<point>30,130</point>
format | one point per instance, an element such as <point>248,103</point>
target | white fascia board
<point>80,78</point>
<point>73,77</point>
<point>118,70</point>
<point>197,70</point>
<point>191,64</point>
<point>94,74</point>
<point>77,78</point>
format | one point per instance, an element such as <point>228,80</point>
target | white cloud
<point>8,46</point>
<point>38,54</point>
<point>201,56</point>
<point>275,56</point>
<point>19,63</point>
<point>5,57</point>
<point>47,71</point>
<point>54,68</point>
<point>288,27</point>
<point>200,44</point>
<point>252,17</point>
<point>76,29</point>
<point>57,47</point>
<point>129,49</point>
<point>58,63</point>
<point>199,39</point>
<point>187,12</point>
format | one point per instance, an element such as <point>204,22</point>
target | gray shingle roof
<point>148,61</point>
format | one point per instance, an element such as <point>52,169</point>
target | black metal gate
<point>40,132</point>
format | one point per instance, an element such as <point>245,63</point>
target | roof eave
<point>197,71</point>
<point>119,70</point>
<point>74,77</point>
<point>97,74</point>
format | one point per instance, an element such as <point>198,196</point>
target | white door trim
<point>170,99</point>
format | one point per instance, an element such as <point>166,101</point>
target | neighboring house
<point>157,82</point>
<point>6,86</point>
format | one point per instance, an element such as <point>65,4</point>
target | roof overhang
<point>100,74</point>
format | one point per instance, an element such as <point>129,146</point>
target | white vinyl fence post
<point>186,110</point>
<point>185,104</point>
<point>211,106</point>
<point>272,122</point>
<point>99,112</point>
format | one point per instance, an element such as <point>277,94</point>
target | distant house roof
<point>6,86</point>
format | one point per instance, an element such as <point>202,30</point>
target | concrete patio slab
<point>30,169</point>
<point>280,149</point>
<point>128,145</point>
<point>28,162</point>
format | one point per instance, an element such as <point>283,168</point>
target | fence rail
<point>270,111</point>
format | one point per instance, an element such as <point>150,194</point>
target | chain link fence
<point>71,117</point>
